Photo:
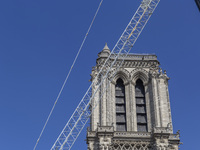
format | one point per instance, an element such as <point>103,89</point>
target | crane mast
<point>128,38</point>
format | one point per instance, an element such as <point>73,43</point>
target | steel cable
<point>65,81</point>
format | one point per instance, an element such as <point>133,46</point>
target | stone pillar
<point>133,107</point>
<point>128,106</point>
<point>148,107</point>
<point>95,107</point>
<point>169,107</point>
<point>156,108</point>
<point>103,102</point>
<point>108,103</point>
<point>113,108</point>
<point>164,101</point>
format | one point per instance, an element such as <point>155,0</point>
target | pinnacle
<point>106,47</point>
<point>105,52</point>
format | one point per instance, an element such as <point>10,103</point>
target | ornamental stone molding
<point>130,145</point>
<point>141,107</point>
<point>139,73</point>
<point>129,63</point>
<point>121,73</point>
<point>163,75</point>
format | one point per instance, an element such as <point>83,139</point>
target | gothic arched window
<point>140,106</point>
<point>120,106</point>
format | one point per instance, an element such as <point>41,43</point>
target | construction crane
<point>83,111</point>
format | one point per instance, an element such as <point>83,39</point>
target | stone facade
<point>152,115</point>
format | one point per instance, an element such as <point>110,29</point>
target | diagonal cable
<point>82,113</point>
<point>68,74</point>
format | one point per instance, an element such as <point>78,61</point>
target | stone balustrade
<point>132,134</point>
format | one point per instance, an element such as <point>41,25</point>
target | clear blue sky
<point>39,40</point>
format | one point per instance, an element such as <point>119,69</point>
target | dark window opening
<point>120,105</point>
<point>140,106</point>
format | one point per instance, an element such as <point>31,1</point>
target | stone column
<point>133,107</point>
<point>169,107</point>
<point>148,108</point>
<point>155,101</point>
<point>128,106</point>
<point>113,108</point>
<point>108,103</point>
<point>164,102</point>
<point>103,103</point>
<point>95,107</point>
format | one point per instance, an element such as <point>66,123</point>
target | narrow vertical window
<point>140,106</point>
<point>120,106</point>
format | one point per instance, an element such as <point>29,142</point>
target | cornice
<point>129,63</point>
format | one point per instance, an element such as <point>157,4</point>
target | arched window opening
<point>140,106</point>
<point>120,106</point>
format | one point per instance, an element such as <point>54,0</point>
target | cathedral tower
<point>131,110</point>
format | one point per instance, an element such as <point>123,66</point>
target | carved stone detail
<point>121,72</point>
<point>105,136</point>
<point>139,73</point>
<point>129,64</point>
<point>130,145</point>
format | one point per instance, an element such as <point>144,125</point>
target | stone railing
<point>132,134</point>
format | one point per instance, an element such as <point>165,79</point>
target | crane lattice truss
<point>128,38</point>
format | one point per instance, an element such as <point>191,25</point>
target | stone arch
<point>121,73</point>
<point>139,73</point>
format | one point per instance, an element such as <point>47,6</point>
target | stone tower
<point>131,111</point>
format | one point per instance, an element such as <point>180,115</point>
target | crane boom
<point>128,38</point>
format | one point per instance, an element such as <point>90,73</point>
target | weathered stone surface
<point>103,134</point>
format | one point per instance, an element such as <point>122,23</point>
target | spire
<point>105,52</point>
<point>106,47</point>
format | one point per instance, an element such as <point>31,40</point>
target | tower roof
<point>106,47</point>
<point>105,52</point>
